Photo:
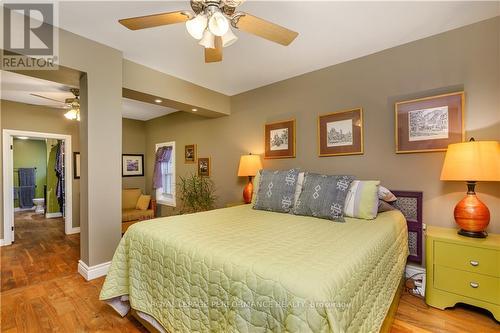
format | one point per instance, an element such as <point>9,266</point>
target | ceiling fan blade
<point>155,20</point>
<point>50,99</point>
<point>265,29</point>
<point>214,55</point>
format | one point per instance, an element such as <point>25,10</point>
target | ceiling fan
<point>71,104</point>
<point>211,24</point>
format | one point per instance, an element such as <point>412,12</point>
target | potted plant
<point>197,194</point>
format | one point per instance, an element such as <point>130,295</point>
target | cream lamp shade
<point>249,165</point>
<point>472,161</point>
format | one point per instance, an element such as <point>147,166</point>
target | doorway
<point>9,184</point>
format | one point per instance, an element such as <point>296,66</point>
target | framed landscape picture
<point>189,153</point>
<point>280,139</point>
<point>132,165</point>
<point>204,166</point>
<point>430,123</point>
<point>341,133</point>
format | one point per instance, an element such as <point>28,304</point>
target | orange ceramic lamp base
<point>472,215</point>
<point>248,191</point>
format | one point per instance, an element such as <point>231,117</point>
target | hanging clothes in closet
<point>59,169</point>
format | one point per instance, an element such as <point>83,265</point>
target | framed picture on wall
<point>341,133</point>
<point>76,163</point>
<point>280,139</point>
<point>189,154</point>
<point>132,165</point>
<point>430,123</point>
<point>204,166</point>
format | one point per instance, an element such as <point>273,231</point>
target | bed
<point>243,270</point>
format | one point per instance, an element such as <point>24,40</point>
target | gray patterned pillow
<point>276,190</point>
<point>323,196</point>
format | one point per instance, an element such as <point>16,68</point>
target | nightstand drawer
<point>481,287</point>
<point>468,258</point>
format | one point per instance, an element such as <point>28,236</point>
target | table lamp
<point>471,162</point>
<point>249,166</point>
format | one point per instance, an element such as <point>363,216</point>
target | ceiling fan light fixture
<point>208,40</point>
<point>196,26</point>
<point>229,38</point>
<point>218,24</point>
<point>71,114</point>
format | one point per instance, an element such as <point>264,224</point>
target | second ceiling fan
<point>211,24</point>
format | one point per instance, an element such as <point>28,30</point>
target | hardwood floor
<point>41,291</point>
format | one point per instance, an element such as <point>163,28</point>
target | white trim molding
<point>2,243</point>
<point>93,272</point>
<point>8,179</point>
<point>53,215</point>
<point>74,230</point>
<point>162,198</point>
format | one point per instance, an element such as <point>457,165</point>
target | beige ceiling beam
<point>145,84</point>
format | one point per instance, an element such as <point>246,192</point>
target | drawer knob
<point>474,263</point>
<point>474,284</point>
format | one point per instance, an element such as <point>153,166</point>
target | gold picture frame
<point>204,167</point>
<point>276,147</point>
<point>407,142</point>
<point>190,154</point>
<point>339,121</point>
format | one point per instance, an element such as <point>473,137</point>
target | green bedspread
<point>244,270</point>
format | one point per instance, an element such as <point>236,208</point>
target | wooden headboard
<point>410,204</point>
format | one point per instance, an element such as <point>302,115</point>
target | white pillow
<point>298,187</point>
<point>385,194</point>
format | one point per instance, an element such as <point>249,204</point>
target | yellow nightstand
<point>462,269</point>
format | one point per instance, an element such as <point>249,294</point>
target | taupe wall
<point>134,142</point>
<point>466,58</point>
<point>25,117</point>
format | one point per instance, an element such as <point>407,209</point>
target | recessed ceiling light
<point>22,137</point>
<point>194,110</point>
<point>158,100</point>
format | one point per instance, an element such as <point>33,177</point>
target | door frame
<point>8,180</point>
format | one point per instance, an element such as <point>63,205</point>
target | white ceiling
<point>17,88</point>
<point>330,33</point>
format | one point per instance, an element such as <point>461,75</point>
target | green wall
<point>29,154</point>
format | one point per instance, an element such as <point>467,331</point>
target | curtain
<point>162,155</point>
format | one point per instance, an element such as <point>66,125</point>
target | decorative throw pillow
<point>385,194</point>
<point>323,196</point>
<point>362,199</point>
<point>256,183</point>
<point>385,206</point>
<point>143,202</point>
<point>298,188</point>
<point>276,190</point>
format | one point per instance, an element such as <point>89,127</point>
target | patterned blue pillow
<point>276,190</point>
<point>323,196</point>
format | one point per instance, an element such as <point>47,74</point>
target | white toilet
<point>39,205</point>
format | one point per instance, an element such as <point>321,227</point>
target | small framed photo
<point>189,154</point>
<point>204,166</point>
<point>430,123</point>
<point>76,165</point>
<point>132,165</point>
<point>280,139</point>
<point>341,133</point>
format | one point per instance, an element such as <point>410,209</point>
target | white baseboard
<point>53,215</point>
<point>2,242</point>
<point>18,209</point>
<point>93,272</point>
<point>74,230</point>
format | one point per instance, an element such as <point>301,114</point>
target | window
<point>165,195</point>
